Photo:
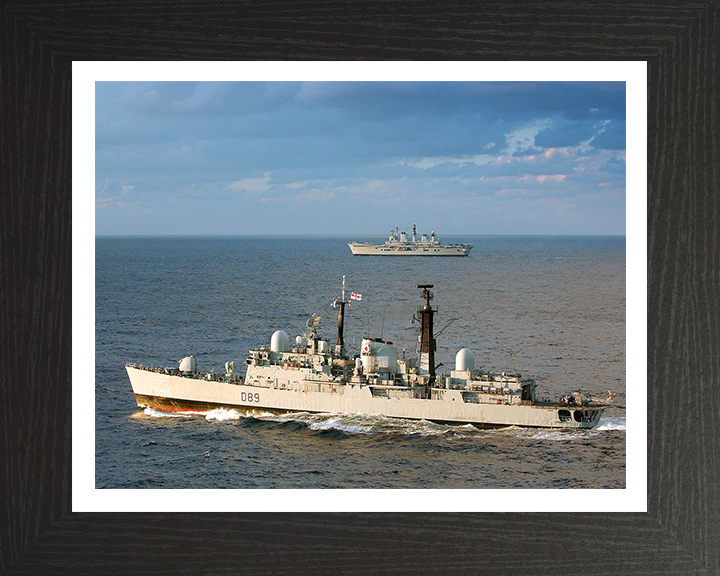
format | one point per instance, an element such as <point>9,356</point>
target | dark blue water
<point>549,307</point>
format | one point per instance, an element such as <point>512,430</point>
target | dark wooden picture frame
<point>679,533</point>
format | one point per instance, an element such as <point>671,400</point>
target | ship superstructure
<point>398,244</point>
<point>312,375</point>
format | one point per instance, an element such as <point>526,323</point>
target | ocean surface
<point>552,308</point>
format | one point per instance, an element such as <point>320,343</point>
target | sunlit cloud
<point>551,177</point>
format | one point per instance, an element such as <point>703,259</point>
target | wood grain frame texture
<point>680,533</point>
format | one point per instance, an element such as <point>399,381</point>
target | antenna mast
<point>340,343</point>
<point>427,340</point>
<point>382,327</point>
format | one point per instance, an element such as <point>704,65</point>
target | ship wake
<point>353,424</point>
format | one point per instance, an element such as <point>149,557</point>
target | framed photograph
<point>70,506</point>
<point>524,172</point>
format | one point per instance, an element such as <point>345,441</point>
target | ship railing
<point>207,376</point>
<point>156,369</point>
<point>325,387</point>
<point>472,398</point>
<point>392,392</point>
<point>392,387</point>
<point>543,402</point>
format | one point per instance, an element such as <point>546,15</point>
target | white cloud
<point>599,127</point>
<point>294,185</point>
<point>425,163</point>
<point>251,185</point>
<point>524,138</point>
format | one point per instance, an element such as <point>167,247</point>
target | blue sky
<point>357,158</point>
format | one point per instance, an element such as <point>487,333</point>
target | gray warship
<point>399,245</point>
<point>318,377</point>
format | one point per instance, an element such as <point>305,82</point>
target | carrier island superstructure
<point>315,376</point>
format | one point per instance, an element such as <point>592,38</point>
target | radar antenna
<point>312,324</point>
<point>426,293</point>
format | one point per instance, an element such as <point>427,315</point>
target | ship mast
<point>427,340</point>
<point>340,344</point>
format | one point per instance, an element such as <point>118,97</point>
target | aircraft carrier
<point>399,245</point>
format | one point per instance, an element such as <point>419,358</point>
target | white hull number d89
<point>249,397</point>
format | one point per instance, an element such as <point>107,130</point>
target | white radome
<point>465,360</point>
<point>280,342</point>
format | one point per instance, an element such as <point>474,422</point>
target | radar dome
<point>465,360</point>
<point>188,364</point>
<point>279,342</point>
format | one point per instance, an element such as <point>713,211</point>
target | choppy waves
<point>559,320</point>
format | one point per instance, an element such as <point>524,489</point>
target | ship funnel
<point>465,360</point>
<point>279,342</point>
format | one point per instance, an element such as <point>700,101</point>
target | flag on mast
<point>355,296</point>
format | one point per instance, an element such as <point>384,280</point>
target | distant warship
<point>399,245</point>
<point>315,376</point>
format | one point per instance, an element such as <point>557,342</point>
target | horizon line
<point>333,235</point>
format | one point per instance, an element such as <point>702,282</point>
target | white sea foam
<point>418,428</point>
<point>339,424</point>
<point>221,414</point>
<point>272,417</point>
<point>554,435</point>
<point>565,435</point>
<point>163,414</point>
<point>359,423</point>
<point>612,424</point>
<point>377,423</point>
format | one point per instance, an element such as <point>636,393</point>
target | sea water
<point>552,308</point>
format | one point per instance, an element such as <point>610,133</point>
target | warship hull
<point>163,391</point>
